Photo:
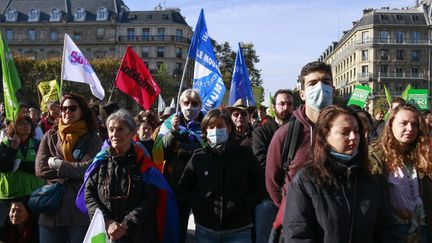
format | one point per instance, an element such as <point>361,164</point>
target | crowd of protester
<point>317,173</point>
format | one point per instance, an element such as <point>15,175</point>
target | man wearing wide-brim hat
<point>239,113</point>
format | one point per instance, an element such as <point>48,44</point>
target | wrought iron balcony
<point>153,38</point>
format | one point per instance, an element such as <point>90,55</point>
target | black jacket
<point>354,201</point>
<point>221,188</point>
<point>119,192</point>
<point>261,138</point>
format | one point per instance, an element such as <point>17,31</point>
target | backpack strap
<point>290,142</point>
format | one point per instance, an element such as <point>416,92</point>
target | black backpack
<point>290,142</point>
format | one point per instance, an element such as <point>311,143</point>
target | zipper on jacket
<point>345,196</point>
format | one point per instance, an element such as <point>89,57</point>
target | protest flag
<point>49,91</point>
<point>11,81</point>
<point>359,96</point>
<point>271,106</point>
<point>404,94</point>
<point>387,95</point>
<point>240,83</point>
<point>96,232</point>
<point>161,103</point>
<point>207,78</point>
<point>134,79</point>
<point>76,68</point>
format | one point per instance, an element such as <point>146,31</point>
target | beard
<point>284,115</point>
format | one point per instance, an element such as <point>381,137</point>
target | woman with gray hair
<point>116,186</point>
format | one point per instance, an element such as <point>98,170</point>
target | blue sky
<point>286,33</point>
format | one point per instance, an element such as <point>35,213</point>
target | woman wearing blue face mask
<point>335,198</point>
<point>221,183</point>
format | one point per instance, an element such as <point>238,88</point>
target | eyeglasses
<point>242,113</point>
<point>193,103</point>
<point>71,108</point>
<point>106,189</point>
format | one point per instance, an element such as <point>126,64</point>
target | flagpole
<point>62,67</point>
<point>112,92</point>
<point>181,83</point>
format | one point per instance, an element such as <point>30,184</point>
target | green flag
<point>419,98</point>
<point>11,80</point>
<point>359,96</point>
<point>404,95</point>
<point>271,110</point>
<point>388,95</point>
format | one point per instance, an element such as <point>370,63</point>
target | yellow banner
<point>50,91</point>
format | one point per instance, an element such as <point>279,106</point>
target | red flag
<point>134,79</point>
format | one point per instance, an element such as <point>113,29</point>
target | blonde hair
<point>419,151</point>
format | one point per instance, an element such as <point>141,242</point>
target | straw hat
<point>240,104</point>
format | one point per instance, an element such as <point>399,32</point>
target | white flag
<point>75,67</point>
<point>96,232</point>
<point>161,103</point>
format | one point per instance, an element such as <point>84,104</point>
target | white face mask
<point>217,136</point>
<point>190,113</point>
<point>319,96</point>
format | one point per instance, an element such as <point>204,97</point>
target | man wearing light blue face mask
<point>317,91</point>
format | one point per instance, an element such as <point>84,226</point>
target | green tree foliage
<point>168,84</point>
<point>33,71</point>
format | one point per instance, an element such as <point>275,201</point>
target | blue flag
<point>240,83</point>
<point>207,77</point>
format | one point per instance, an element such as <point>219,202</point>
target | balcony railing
<point>397,41</point>
<point>154,38</point>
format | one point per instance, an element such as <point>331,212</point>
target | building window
<point>415,72</point>
<point>399,17</point>
<point>146,34</point>
<point>80,14</point>
<point>399,71</point>
<point>100,33</point>
<point>11,15</point>
<point>77,36</point>
<point>31,35</point>
<point>102,14</point>
<point>33,15</point>
<point>178,68</point>
<point>365,71</point>
<point>383,71</point>
<point>53,35</point>
<point>399,37</point>
<point>179,34</point>
<point>165,16</point>
<point>161,33</point>
<point>399,54</point>
<point>9,34</point>
<point>55,15</point>
<point>148,16</point>
<point>415,37</point>
<point>415,17</point>
<point>365,37</point>
<point>179,52</point>
<point>415,55</point>
<point>160,51</point>
<point>383,17</point>
<point>130,33</point>
<point>145,52</point>
<point>384,36</point>
<point>365,55</point>
<point>383,54</point>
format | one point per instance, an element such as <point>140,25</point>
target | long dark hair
<point>87,114</point>
<point>321,148</point>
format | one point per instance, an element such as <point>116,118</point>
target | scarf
<point>69,134</point>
